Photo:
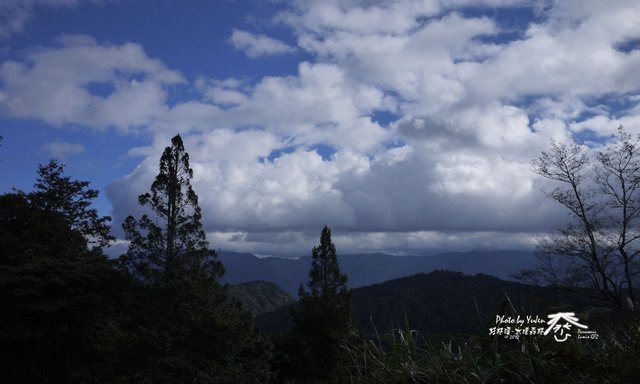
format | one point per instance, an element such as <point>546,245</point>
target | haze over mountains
<point>367,269</point>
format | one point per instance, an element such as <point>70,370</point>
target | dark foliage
<point>323,320</point>
<point>173,242</point>
<point>70,200</point>
<point>55,293</point>
<point>411,357</point>
<point>181,325</point>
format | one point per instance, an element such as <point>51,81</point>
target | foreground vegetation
<point>411,357</point>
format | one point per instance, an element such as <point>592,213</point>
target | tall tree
<point>324,320</point>
<point>183,328</point>
<point>55,292</point>
<point>599,249</point>
<point>178,243</point>
<point>325,278</point>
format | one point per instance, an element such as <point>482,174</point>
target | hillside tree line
<point>157,314</point>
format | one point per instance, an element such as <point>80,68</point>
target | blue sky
<point>405,125</point>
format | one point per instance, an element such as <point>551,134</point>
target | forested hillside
<point>445,304</point>
<point>259,297</point>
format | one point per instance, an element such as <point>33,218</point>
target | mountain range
<point>445,304</point>
<point>368,269</point>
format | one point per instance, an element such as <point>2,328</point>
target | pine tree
<point>183,326</point>
<point>324,320</point>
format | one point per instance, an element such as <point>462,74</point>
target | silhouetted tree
<point>183,327</point>
<point>71,200</point>
<point>55,292</point>
<point>600,248</point>
<point>174,241</point>
<point>324,320</point>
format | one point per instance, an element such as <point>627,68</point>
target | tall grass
<point>403,355</point>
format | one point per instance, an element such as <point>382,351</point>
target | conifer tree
<point>325,278</point>
<point>183,326</point>
<point>324,320</point>
<point>57,194</point>
<point>55,291</point>
<point>175,241</point>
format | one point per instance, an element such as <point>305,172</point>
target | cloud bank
<point>411,124</point>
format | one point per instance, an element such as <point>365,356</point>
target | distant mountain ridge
<point>367,269</point>
<point>445,304</point>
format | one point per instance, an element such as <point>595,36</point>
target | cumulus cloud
<point>455,164</point>
<point>411,125</point>
<point>445,62</point>
<point>81,82</point>
<point>258,45</point>
<point>319,105</point>
<point>62,149</point>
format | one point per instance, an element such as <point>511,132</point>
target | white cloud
<point>411,124</point>
<point>63,149</point>
<point>320,105</point>
<point>441,63</point>
<point>240,191</point>
<point>258,45</point>
<point>56,85</point>
<point>471,116</point>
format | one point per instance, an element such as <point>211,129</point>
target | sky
<point>406,126</point>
